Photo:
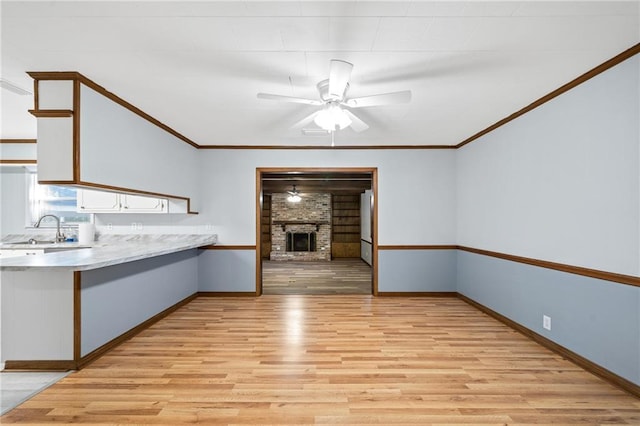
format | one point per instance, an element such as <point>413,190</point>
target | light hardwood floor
<point>330,360</point>
<point>340,276</point>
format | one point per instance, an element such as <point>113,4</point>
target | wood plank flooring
<point>340,276</point>
<point>330,360</point>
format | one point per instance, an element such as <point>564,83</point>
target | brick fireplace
<point>301,231</point>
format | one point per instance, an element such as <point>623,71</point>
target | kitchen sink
<point>29,242</point>
<point>32,248</point>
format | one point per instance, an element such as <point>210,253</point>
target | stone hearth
<point>311,216</point>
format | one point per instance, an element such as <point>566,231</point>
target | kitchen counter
<point>61,310</point>
<point>108,251</point>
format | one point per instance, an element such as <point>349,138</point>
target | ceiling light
<point>294,196</point>
<point>332,118</point>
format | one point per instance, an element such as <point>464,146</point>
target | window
<point>52,199</point>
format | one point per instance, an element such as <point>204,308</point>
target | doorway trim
<point>374,214</point>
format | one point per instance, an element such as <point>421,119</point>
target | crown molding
<point>629,53</point>
<point>76,76</point>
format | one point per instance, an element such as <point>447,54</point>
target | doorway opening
<point>316,231</point>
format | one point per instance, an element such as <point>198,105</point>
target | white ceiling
<point>197,66</point>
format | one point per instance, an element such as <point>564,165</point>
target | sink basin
<point>29,242</point>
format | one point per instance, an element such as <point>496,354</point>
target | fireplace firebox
<point>301,241</point>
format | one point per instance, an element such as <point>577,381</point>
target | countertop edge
<point>85,259</point>
<point>133,258</point>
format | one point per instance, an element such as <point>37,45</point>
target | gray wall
<point>118,298</point>
<point>398,271</point>
<point>562,184</point>
<point>416,190</point>
<point>416,270</point>
<point>597,319</point>
<point>227,270</point>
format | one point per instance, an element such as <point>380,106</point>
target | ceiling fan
<point>335,114</point>
<point>294,195</point>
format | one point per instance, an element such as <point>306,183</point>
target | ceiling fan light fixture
<point>332,118</point>
<point>294,196</point>
<point>333,95</point>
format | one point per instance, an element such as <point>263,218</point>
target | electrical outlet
<point>110,226</point>
<point>140,226</point>
<point>134,226</point>
<point>546,322</point>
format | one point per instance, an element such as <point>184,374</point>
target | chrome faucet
<point>59,235</point>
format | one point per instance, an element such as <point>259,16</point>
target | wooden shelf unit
<point>265,226</point>
<point>345,225</point>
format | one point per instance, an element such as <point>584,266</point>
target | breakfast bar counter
<point>63,309</point>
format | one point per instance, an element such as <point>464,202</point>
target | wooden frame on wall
<point>78,80</point>
<point>18,161</point>
<point>374,214</point>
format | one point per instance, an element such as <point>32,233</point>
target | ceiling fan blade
<point>339,75</point>
<point>289,99</point>
<point>382,99</point>
<point>308,119</point>
<point>356,124</point>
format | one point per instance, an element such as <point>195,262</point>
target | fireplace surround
<point>301,231</point>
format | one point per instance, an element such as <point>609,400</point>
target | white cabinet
<point>138,204</point>
<point>91,201</point>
